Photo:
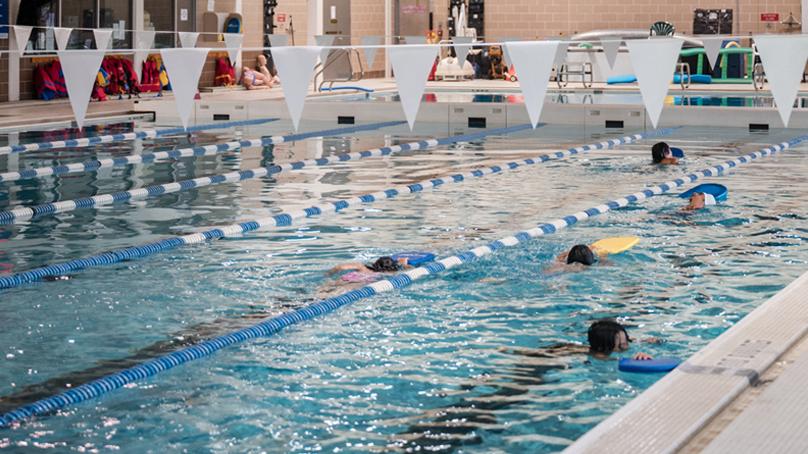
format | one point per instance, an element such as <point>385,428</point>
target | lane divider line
<point>122,137</point>
<point>22,213</point>
<point>273,325</point>
<point>286,218</point>
<point>94,165</point>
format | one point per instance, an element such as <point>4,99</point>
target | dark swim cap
<point>658,152</point>
<point>602,333</point>
<point>580,253</point>
<point>384,264</point>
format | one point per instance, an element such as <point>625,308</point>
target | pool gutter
<point>679,407</point>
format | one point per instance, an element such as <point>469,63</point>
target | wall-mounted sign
<point>183,14</point>
<point>413,9</point>
<point>280,17</point>
<point>3,18</point>
<point>770,17</point>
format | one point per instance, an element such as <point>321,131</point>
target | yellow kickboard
<point>615,245</point>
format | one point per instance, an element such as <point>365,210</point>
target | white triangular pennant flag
<point>324,41</point>
<point>233,43</point>
<point>411,67</point>
<point>783,58</point>
<point>62,35</point>
<point>188,39</point>
<point>80,68</point>
<point>654,61</point>
<point>712,48</point>
<point>102,38</point>
<point>415,39</point>
<point>561,54</point>
<point>370,52</point>
<point>278,40</point>
<point>610,48</point>
<point>533,61</point>
<point>462,46</point>
<point>21,34</point>
<point>295,67</point>
<point>145,40</point>
<point>184,66</point>
<point>506,56</point>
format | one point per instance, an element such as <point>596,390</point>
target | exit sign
<point>770,17</point>
<point>280,17</point>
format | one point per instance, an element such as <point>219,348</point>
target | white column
<point>804,7</point>
<point>388,32</point>
<point>13,56</point>
<point>137,27</point>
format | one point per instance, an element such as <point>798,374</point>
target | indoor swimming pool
<point>457,362</point>
<point>749,99</point>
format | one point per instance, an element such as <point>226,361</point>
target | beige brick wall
<point>532,19</point>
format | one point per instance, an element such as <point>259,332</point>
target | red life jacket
<point>58,78</point>
<point>43,85</point>
<point>225,73</point>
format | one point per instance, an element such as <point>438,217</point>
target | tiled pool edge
<point>670,413</point>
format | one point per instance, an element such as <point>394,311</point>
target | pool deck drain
<point>743,392</point>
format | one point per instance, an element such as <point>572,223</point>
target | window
<point>159,15</point>
<point>82,14</point>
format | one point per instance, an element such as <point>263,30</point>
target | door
<point>337,22</point>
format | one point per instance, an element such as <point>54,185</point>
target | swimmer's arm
<point>356,266</point>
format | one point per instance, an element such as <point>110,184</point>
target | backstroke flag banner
<point>62,35</point>
<point>103,37</point>
<point>21,35</point>
<point>188,39</point>
<point>295,67</point>
<point>370,52</point>
<point>411,66</point>
<point>80,68</point>
<point>783,58</point>
<point>324,41</point>
<point>533,61</point>
<point>184,66</point>
<point>712,47</point>
<point>233,43</point>
<point>462,46</point>
<point>610,47</point>
<point>654,61</point>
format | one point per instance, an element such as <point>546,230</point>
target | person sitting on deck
<point>661,154</point>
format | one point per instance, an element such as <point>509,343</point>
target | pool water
<point>454,363</point>
<point>686,98</point>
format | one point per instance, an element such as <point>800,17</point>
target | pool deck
<point>22,113</point>
<point>743,392</point>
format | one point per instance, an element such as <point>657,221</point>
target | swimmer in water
<point>661,154</point>
<point>698,201</point>
<point>607,336</point>
<point>361,274</point>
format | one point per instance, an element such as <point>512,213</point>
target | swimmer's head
<point>384,265</point>
<point>607,336</point>
<point>697,201</point>
<point>660,151</point>
<point>581,253</point>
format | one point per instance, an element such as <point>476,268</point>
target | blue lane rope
<point>270,326</point>
<point>23,213</point>
<point>111,138</point>
<point>286,218</point>
<point>147,158</point>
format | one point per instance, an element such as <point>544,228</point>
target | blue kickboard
<point>649,366</point>
<point>718,191</point>
<point>415,258</point>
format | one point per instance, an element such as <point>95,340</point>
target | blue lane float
<point>718,191</point>
<point>273,325</point>
<point>21,214</point>
<point>648,366</point>
<point>94,165</point>
<point>348,87</point>
<point>285,219</point>
<point>415,258</point>
<point>122,137</point>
